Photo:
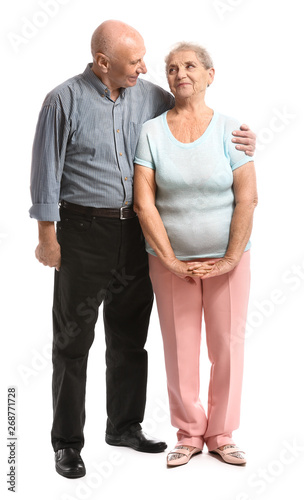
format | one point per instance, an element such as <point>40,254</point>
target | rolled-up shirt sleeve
<point>48,158</point>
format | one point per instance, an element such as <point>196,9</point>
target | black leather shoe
<point>69,463</point>
<point>137,440</point>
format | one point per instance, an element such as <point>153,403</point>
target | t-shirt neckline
<point>202,138</point>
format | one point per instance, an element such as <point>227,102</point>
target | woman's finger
<point>197,265</point>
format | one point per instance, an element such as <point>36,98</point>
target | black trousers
<point>102,260</point>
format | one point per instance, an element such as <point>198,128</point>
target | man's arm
<point>48,157</point>
<point>48,249</point>
<point>245,140</point>
<point>47,166</point>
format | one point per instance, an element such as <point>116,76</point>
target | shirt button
<point>120,154</point>
<point>118,130</point>
<point>102,95</point>
<point>126,178</point>
<point>126,203</point>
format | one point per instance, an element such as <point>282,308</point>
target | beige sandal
<point>231,454</point>
<point>181,455</point>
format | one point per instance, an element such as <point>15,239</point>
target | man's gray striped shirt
<point>84,144</point>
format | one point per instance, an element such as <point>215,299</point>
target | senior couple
<point>194,197</point>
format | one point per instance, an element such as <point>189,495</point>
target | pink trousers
<point>224,300</point>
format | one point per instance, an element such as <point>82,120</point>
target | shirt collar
<point>101,88</point>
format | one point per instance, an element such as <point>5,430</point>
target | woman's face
<point>187,76</point>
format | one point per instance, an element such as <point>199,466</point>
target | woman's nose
<point>181,73</point>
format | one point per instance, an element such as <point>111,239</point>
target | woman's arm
<point>246,198</point>
<point>151,223</point>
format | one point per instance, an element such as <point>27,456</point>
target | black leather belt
<point>115,213</point>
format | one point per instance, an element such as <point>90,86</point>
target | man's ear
<point>102,62</point>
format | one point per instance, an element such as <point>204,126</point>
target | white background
<point>257,50</point>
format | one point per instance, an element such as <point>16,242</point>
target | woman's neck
<point>191,108</point>
<point>187,122</point>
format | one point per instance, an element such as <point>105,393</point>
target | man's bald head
<point>110,35</point>
<point>118,55</point>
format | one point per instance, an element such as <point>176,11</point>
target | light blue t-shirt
<point>194,181</point>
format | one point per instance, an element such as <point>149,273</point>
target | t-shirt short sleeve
<point>143,154</point>
<point>236,158</point>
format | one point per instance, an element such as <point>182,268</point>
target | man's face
<point>126,65</point>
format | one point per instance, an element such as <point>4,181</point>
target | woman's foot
<point>181,455</point>
<point>231,454</point>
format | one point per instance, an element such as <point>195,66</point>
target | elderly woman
<point>195,196</point>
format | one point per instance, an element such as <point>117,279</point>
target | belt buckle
<point>121,213</point>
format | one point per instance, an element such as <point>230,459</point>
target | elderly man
<point>82,177</point>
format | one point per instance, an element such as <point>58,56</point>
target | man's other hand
<point>48,251</point>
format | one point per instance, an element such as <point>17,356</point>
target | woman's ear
<point>211,73</point>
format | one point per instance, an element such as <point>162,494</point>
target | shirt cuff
<point>144,163</point>
<point>45,212</point>
<point>241,162</point>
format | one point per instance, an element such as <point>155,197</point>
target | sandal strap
<point>230,449</point>
<point>182,451</point>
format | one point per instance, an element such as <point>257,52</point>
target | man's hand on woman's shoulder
<point>245,140</point>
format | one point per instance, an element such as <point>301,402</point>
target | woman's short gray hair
<point>201,53</point>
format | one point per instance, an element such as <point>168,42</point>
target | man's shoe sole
<point>116,441</point>
<point>70,475</point>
